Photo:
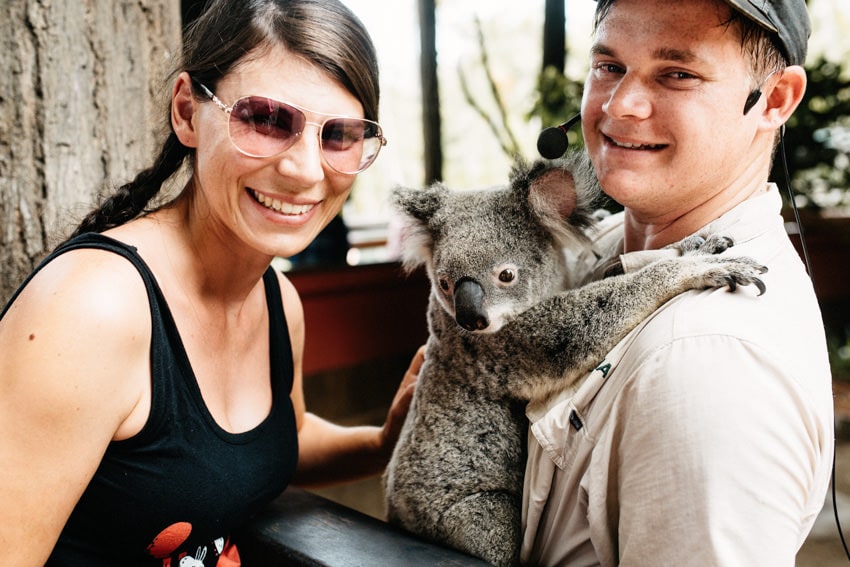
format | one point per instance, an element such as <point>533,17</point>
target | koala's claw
<point>745,280</point>
<point>743,272</point>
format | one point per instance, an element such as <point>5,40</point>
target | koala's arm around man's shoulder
<point>561,338</point>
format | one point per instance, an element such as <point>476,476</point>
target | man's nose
<point>631,98</point>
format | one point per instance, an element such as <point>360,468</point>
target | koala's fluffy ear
<point>559,193</point>
<point>417,206</point>
<point>420,204</point>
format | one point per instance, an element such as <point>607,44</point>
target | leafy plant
<point>817,139</point>
<point>839,353</point>
<point>557,97</point>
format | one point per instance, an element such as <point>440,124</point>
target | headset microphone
<point>752,99</point>
<point>552,142</point>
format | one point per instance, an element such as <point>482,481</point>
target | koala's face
<point>495,252</point>
<point>489,260</point>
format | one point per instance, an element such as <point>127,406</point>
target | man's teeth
<point>635,146</point>
<point>280,206</point>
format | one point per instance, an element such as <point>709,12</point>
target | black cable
<point>835,502</point>
<point>812,277</point>
<point>794,204</point>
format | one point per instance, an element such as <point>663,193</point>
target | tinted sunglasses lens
<point>263,127</point>
<point>350,145</point>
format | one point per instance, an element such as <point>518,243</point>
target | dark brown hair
<point>227,33</point>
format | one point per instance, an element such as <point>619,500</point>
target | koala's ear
<point>552,193</point>
<point>560,193</point>
<point>419,204</point>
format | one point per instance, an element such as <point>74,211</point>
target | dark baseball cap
<point>788,19</point>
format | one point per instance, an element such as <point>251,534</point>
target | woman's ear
<point>183,106</point>
<point>785,95</point>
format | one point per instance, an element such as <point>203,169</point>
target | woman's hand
<point>401,403</point>
<point>330,453</point>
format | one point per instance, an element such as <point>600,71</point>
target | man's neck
<point>645,232</point>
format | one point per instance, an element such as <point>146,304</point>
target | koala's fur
<point>503,332</point>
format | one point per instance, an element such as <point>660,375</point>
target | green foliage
<point>839,353</point>
<point>817,139</point>
<point>557,97</point>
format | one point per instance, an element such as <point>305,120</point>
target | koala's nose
<point>469,305</point>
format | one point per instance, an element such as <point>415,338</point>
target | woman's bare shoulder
<point>78,329</point>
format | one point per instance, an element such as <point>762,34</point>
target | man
<point>705,437</point>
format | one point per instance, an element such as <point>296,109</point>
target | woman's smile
<point>280,206</point>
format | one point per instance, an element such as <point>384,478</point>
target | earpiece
<point>752,99</point>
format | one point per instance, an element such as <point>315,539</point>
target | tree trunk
<point>81,108</point>
<point>555,35</point>
<point>430,92</point>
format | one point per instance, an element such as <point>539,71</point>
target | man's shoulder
<point>703,333</point>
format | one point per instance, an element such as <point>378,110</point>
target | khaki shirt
<point>705,437</point>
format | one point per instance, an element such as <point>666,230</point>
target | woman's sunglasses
<point>263,127</point>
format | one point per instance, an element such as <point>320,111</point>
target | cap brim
<point>754,13</point>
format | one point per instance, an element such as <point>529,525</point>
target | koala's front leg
<point>549,346</point>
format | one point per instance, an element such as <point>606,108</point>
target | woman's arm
<point>73,367</point>
<point>330,453</point>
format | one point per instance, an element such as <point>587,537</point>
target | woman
<point>140,424</point>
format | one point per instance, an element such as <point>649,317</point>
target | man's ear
<point>784,96</point>
<point>183,107</point>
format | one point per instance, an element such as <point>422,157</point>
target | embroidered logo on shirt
<point>604,369</point>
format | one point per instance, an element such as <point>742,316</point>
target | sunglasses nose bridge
<point>318,125</point>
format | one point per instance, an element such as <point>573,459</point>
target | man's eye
<point>680,80</point>
<point>682,75</point>
<point>607,68</point>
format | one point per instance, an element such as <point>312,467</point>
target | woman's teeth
<point>280,206</point>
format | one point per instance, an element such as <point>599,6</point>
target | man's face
<point>662,113</point>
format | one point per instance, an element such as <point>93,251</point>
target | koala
<point>503,331</point>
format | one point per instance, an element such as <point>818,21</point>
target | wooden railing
<point>302,529</point>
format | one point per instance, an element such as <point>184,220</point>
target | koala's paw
<point>734,272</point>
<point>714,244</point>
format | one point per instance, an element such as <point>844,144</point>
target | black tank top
<point>172,494</point>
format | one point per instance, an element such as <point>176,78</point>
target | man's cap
<point>788,19</point>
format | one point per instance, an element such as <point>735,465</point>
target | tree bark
<point>82,105</point>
